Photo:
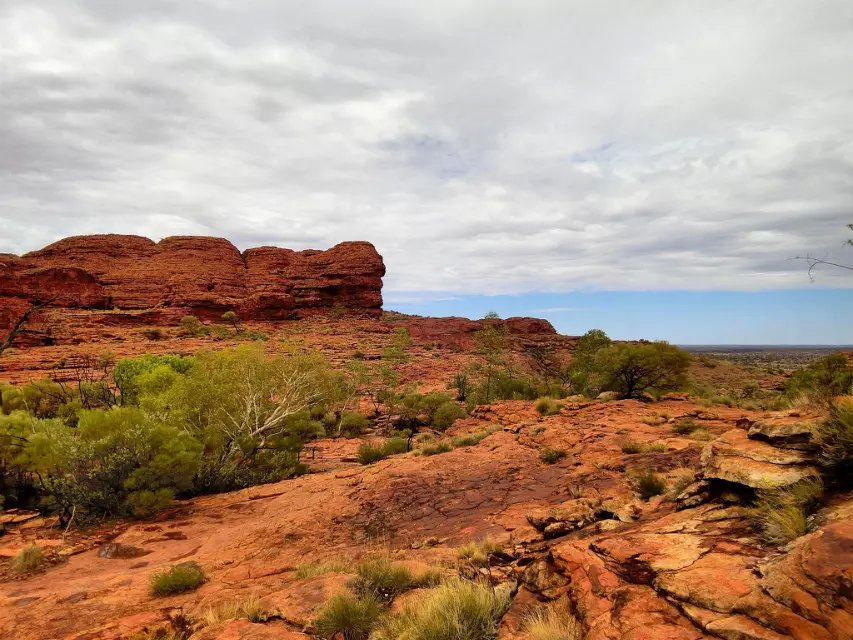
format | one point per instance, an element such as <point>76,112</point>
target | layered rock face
<point>188,274</point>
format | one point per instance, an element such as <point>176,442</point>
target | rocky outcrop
<point>188,274</point>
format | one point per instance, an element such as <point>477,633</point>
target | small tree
<point>632,370</point>
<point>233,319</point>
<point>491,342</point>
<point>583,365</point>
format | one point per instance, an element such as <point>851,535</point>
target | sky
<point>646,167</point>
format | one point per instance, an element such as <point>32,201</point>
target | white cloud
<point>488,147</point>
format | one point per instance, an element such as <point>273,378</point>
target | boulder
<point>734,457</point>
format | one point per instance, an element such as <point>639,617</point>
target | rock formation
<point>191,275</point>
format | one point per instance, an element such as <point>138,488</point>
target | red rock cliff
<point>189,274</point>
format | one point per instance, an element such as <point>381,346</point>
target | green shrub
<point>631,370</point>
<point>27,560</point>
<point>193,327</point>
<point>781,515</point>
<point>446,414</point>
<point>631,447</point>
<point>313,569</point>
<point>368,453</point>
<point>552,456</point>
<point>547,406</point>
<point>471,439</point>
<point>648,484</point>
<point>822,379</point>
<point>116,462</point>
<point>455,610</point>
<point>381,578</point>
<point>348,616</point>
<point>835,444</point>
<point>353,424</point>
<point>684,427</point>
<point>435,448</point>
<point>478,553</point>
<point>179,578</point>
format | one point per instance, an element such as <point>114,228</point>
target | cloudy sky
<point>488,148</point>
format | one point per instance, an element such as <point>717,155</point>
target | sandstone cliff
<point>192,275</point>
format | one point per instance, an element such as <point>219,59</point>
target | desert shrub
<point>446,414</point>
<point>153,333</point>
<point>655,447</point>
<point>455,610</point>
<point>219,332</point>
<point>781,515</point>
<point>381,578</point>
<point>249,608</point>
<point>231,318</point>
<point>432,449</point>
<point>630,447</point>
<point>348,616</point>
<point>582,367</point>
<point>368,453</point>
<point>835,443</point>
<point>781,524</point>
<point>552,456</point>
<point>27,560</point>
<point>240,404</point>
<point>116,462</point>
<point>179,578</point>
<point>471,439</point>
<point>128,371</point>
<point>684,427</point>
<point>632,370</point>
<point>822,380</point>
<point>547,406</point>
<point>478,553</point>
<point>552,623</point>
<point>312,569</point>
<point>431,577</point>
<point>649,484</point>
<point>353,424</point>
<point>193,327</point>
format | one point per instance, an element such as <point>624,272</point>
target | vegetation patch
<point>547,406</point>
<point>348,616</point>
<point>649,484</point>
<point>552,623</point>
<point>180,578</point>
<point>456,610</point>
<point>27,560</point>
<point>313,569</point>
<point>781,515</point>
<point>382,578</point>
<point>478,553</point>
<point>249,608</point>
<point>552,456</point>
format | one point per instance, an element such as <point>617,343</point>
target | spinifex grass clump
<point>182,577</point>
<point>649,484</point>
<point>547,406</point>
<point>456,610</point>
<point>552,623</point>
<point>552,456</point>
<point>348,616</point>
<point>27,559</point>
<point>382,578</point>
<point>477,553</point>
